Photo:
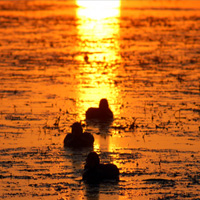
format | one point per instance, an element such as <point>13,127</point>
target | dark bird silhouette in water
<point>78,139</point>
<point>94,172</point>
<point>86,58</point>
<point>102,113</point>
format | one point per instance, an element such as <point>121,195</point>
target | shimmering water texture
<point>58,58</point>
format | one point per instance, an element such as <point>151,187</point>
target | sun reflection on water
<point>98,35</point>
<point>98,30</point>
<point>98,9</point>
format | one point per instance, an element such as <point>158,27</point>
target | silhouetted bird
<point>102,113</point>
<point>77,138</point>
<point>94,172</point>
<point>86,58</point>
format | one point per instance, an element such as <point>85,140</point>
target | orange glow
<point>98,30</point>
<point>98,9</point>
<point>143,57</point>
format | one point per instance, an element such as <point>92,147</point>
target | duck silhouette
<point>102,113</point>
<point>94,172</point>
<point>78,139</point>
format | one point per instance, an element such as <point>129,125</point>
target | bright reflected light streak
<point>97,10</point>
<point>98,29</point>
<point>98,34</point>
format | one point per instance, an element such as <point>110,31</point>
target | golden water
<point>143,56</point>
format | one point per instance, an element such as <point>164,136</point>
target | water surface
<point>143,56</point>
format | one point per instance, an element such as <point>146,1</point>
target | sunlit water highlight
<point>142,55</point>
<point>98,31</point>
